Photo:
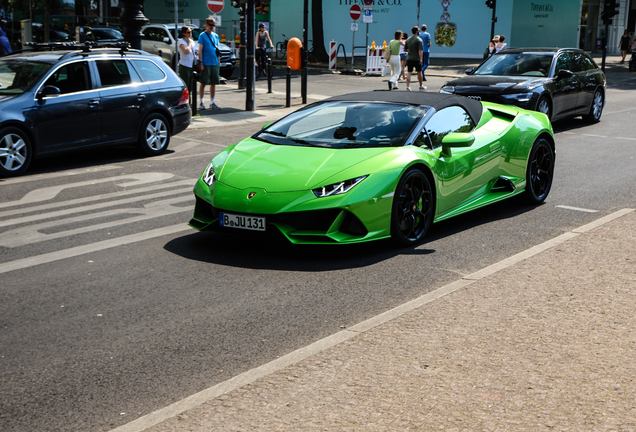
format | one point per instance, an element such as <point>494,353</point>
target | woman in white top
<point>187,51</point>
<point>501,44</point>
<point>403,55</point>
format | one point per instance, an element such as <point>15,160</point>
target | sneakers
<point>422,88</point>
<point>390,85</point>
<point>408,89</point>
<point>214,106</point>
<point>395,87</point>
<point>202,106</point>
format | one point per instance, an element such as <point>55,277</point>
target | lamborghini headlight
<point>337,188</point>
<point>208,174</point>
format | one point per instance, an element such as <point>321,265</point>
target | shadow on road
<point>245,252</point>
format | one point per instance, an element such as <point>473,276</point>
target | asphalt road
<point>111,307</point>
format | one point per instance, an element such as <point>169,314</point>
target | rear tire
<point>15,152</point>
<point>539,172</point>
<point>596,109</point>
<point>154,136</point>
<point>413,208</point>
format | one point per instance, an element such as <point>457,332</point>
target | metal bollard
<point>288,87</point>
<point>270,73</point>
<point>195,81</point>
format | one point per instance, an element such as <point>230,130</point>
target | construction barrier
<point>333,46</point>
<point>376,65</point>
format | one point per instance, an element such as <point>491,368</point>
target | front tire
<point>154,136</point>
<point>539,172</point>
<point>15,152</point>
<point>413,208</point>
<point>544,106</point>
<point>596,109</point>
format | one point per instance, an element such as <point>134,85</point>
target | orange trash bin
<point>294,49</point>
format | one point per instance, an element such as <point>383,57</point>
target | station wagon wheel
<point>545,107</point>
<point>540,171</point>
<point>155,135</point>
<point>413,208</point>
<point>596,109</point>
<point>15,152</point>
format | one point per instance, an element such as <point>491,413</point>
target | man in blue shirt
<point>426,42</point>
<point>211,73</point>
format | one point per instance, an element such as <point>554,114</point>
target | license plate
<point>254,223</point>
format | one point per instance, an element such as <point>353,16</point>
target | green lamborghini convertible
<point>368,166</point>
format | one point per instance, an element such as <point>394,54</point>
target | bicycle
<point>281,48</point>
<point>261,62</point>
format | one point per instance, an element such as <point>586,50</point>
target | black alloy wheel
<point>15,152</point>
<point>544,106</point>
<point>596,109</point>
<point>413,208</point>
<point>540,171</point>
<point>154,135</point>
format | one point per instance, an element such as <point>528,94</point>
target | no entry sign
<point>355,11</point>
<point>215,6</point>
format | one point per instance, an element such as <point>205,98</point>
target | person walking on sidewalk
<point>187,50</point>
<point>211,73</point>
<point>394,60</point>
<point>624,45</point>
<point>426,45</point>
<point>414,58</point>
<point>403,55</point>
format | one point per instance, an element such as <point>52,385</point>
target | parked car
<point>103,34</point>
<point>369,166</point>
<point>54,101</point>
<point>160,39</point>
<point>560,83</point>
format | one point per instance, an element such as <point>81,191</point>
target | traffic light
<point>610,8</point>
<point>491,3</point>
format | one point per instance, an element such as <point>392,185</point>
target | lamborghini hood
<point>282,168</point>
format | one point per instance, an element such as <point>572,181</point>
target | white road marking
<point>577,209</point>
<point>48,193</point>
<point>89,248</point>
<point>32,233</point>
<point>280,363</point>
<point>47,176</point>
<point>112,203</point>
<point>48,207</point>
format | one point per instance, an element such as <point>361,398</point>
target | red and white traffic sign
<point>215,6</point>
<point>355,11</point>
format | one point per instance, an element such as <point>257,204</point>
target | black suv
<point>63,97</point>
<point>559,82</point>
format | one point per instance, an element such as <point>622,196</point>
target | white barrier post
<point>332,55</point>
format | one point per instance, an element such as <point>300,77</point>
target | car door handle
<point>141,97</point>
<point>93,103</point>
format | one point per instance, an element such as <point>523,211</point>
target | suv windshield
<point>345,125</point>
<point>528,64</point>
<point>16,77</point>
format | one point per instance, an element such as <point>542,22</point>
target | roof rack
<point>84,47</point>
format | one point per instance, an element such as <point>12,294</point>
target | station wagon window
<point>113,72</point>
<point>149,70</point>
<point>71,78</point>
<point>446,121</point>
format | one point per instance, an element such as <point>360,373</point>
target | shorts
<point>210,75</point>
<point>410,64</point>
<point>403,56</point>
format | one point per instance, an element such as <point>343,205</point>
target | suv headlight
<point>447,89</point>
<point>209,176</point>
<point>337,188</point>
<point>519,97</point>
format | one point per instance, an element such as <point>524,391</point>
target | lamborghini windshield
<point>528,64</point>
<point>345,125</point>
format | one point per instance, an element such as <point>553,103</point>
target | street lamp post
<point>133,19</point>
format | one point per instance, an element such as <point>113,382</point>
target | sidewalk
<point>545,340</point>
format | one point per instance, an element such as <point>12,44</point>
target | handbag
<point>200,66</point>
<point>387,53</point>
